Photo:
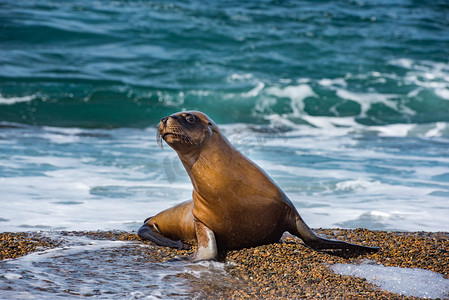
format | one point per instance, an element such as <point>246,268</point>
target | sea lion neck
<point>208,154</point>
<point>189,157</point>
<point>209,167</point>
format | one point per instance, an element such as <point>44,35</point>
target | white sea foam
<point>357,184</point>
<point>339,126</point>
<point>403,281</point>
<point>438,130</point>
<point>442,92</point>
<point>402,62</point>
<point>278,121</point>
<point>240,77</point>
<point>333,82</point>
<point>12,276</point>
<point>394,129</point>
<point>366,100</point>
<point>296,94</point>
<point>14,100</point>
<point>200,93</point>
<point>255,91</point>
<point>77,245</point>
<point>425,75</point>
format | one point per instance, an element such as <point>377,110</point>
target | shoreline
<point>282,270</point>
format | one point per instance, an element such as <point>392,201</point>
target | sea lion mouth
<point>166,134</point>
<point>177,136</point>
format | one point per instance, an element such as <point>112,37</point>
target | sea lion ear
<point>207,133</point>
<point>213,127</point>
<point>210,130</point>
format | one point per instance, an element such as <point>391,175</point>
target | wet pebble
<point>13,245</point>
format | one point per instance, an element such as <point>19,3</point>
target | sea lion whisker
<point>179,132</point>
<point>159,139</point>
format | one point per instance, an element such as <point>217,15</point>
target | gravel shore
<point>283,270</point>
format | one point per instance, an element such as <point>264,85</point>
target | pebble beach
<point>278,271</point>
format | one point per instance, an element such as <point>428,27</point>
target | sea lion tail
<point>304,232</point>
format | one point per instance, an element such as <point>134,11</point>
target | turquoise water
<point>114,64</point>
<point>345,104</point>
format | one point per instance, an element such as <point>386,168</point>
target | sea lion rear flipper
<point>312,240</point>
<point>147,233</point>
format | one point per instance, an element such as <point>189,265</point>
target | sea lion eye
<point>190,118</point>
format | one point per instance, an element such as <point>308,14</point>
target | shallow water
<point>106,270</point>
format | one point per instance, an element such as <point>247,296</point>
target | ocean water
<point>345,104</point>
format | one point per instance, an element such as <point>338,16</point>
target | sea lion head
<point>185,130</point>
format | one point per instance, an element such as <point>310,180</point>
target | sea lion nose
<point>164,120</point>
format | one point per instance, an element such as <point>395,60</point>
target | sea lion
<point>235,203</point>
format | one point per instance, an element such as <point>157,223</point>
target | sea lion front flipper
<point>147,233</point>
<point>207,246</point>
